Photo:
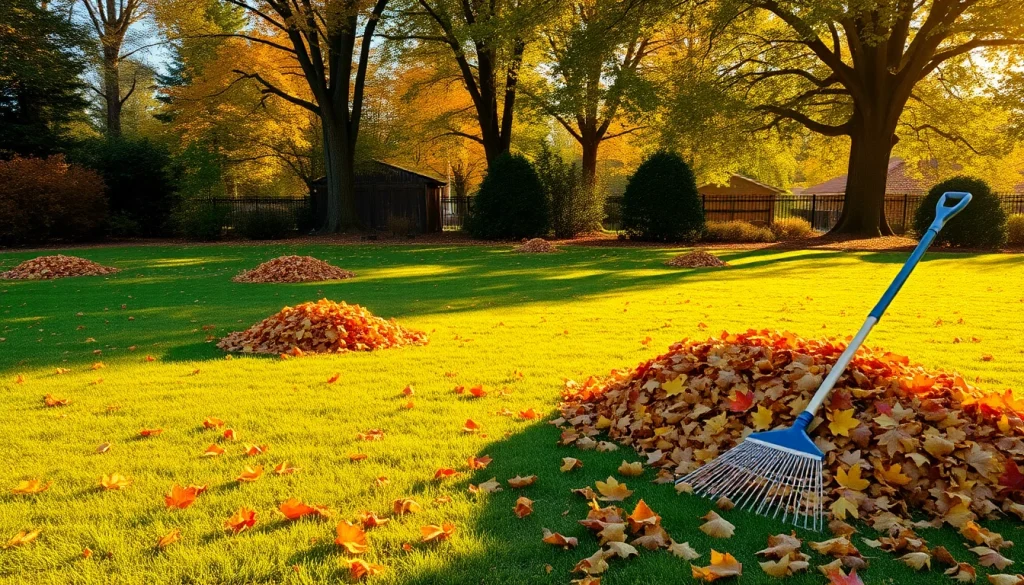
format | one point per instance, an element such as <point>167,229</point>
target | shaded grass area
<point>490,314</point>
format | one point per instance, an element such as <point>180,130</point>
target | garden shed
<point>386,192</point>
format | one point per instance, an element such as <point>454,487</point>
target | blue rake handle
<point>943,213</point>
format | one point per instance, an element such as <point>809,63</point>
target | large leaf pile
<point>896,437</point>
<point>696,259</point>
<point>536,246</point>
<point>57,266</point>
<point>321,327</point>
<point>293,269</point>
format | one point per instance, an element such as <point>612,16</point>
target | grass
<point>490,313</point>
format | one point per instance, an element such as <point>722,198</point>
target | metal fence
<point>454,211</point>
<point>821,211</point>
<point>239,209</point>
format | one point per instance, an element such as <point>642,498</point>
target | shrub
<point>401,225</point>
<point>1015,230</point>
<point>136,172</point>
<point>201,220</point>
<point>510,203</point>
<point>736,231</point>
<point>792,227</point>
<point>265,224</point>
<point>661,201</point>
<point>122,225</point>
<point>43,199</point>
<point>574,208</point>
<point>982,224</point>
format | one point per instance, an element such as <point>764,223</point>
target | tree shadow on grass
<point>508,550</point>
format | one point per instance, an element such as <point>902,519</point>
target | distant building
<point>896,183</point>
<point>739,185</point>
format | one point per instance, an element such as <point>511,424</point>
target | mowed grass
<point>490,313</point>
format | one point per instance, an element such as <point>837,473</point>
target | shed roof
<point>435,180</point>
<point>896,182</point>
<point>737,178</point>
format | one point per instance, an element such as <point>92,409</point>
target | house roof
<point>429,176</point>
<point>896,182</point>
<point>737,177</point>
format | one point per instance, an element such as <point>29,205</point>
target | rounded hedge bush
<point>1015,230</point>
<point>44,199</point>
<point>661,202</point>
<point>982,224</point>
<point>510,203</point>
<point>266,224</point>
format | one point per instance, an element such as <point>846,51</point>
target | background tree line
<point>265,96</point>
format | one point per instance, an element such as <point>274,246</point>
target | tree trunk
<point>112,91</point>
<point>332,176</point>
<point>864,202</point>
<point>590,145</point>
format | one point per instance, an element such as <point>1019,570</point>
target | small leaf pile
<point>321,327</point>
<point>57,266</point>
<point>293,269</point>
<point>536,246</point>
<point>696,259</point>
<point>895,436</point>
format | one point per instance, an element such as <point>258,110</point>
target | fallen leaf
<point>30,487</point>
<point>284,468</point>
<point>917,560</point>
<point>489,486</point>
<point>479,462</point>
<point>181,497</point>
<point>521,482</point>
<point>556,539</point>
<point>570,463</point>
<point>359,568</point>
<point>213,450</point>
<point>852,479</point>
<point>523,507</point>
<point>405,506</point>
<point>722,565</point>
<point>151,432</point>
<point>634,469</point>
<point>168,539</point>
<point>24,537</point>
<point>433,532</point>
<point>716,527</point>
<point>212,423</point>
<point>988,557</point>
<point>445,472</point>
<point>114,481</point>
<point>683,551</point>
<point>612,491</point>
<point>843,422</point>
<point>784,567</point>
<point>470,426</point>
<point>351,537</point>
<point>371,520</point>
<point>250,474</point>
<point>241,520</point>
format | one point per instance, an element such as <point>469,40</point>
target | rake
<point>780,472</point>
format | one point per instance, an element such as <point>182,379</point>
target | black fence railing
<point>239,209</point>
<point>821,211</point>
<point>454,211</point>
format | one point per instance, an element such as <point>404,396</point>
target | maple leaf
<point>230,435</point>
<point>837,577</point>
<point>213,450</point>
<point>30,487</point>
<point>1006,579</point>
<point>642,516</point>
<point>445,472</point>
<point>528,414</point>
<point>254,450</point>
<point>151,432</point>
<point>470,426</point>
<point>521,482</point>
<point>612,491</point>
<point>852,479</point>
<point>843,422</point>
<point>842,506</point>
<point>479,462</point>
<point>334,378</point>
<point>556,539</point>
<point>168,539</point>
<point>24,537</point>
<point>359,568</point>
<point>433,532</point>
<point>486,487</point>
<point>722,565</point>
<point>595,564</point>
<point>351,537</point>
<point>674,386</point>
<point>405,506</point>
<point>741,401</point>
<point>293,509</point>
<point>243,519</point>
<point>762,418</point>
<point>683,551</point>
<point>284,468</point>
<point>988,557</point>
<point>114,481</point>
<point>962,572</point>
<point>716,527</point>
<point>52,401</point>
<point>371,520</point>
<point>781,545</point>
<point>357,456</point>
<point>634,469</point>
<point>917,560</point>
<point>250,474</point>
<point>181,497</point>
<point>570,463</point>
<point>212,423</point>
<point>785,566</point>
<point>523,507</point>
<point>1012,480</point>
<point>892,475</point>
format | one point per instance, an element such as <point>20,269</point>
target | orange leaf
<point>357,456</point>
<point>293,509</point>
<point>254,450</point>
<point>408,405</point>
<point>408,390</point>
<point>471,426</point>
<point>479,462</point>
<point>250,474</point>
<point>114,481</point>
<point>169,539</point>
<point>742,401</point>
<point>284,469</point>
<point>30,487</point>
<point>213,423</point>
<point>230,434</point>
<point>528,414</point>
<point>181,497</point>
<point>642,516</point>
<point>521,482</point>
<point>556,539</point>
<point>213,450</point>
<point>523,507</point>
<point>432,532</point>
<point>478,391</point>
<point>371,519</point>
<point>445,472</point>
<point>22,538</point>
<point>359,568</point>
<point>86,553</point>
<point>334,378</point>
<point>241,520</point>
<point>151,432</point>
<point>351,537</point>
<point>406,506</point>
<point>52,401</point>
<point>722,565</point>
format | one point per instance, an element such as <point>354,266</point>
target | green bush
<point>736,231</point>
<point>265,224</point>
<point>790,228</point>
<point>510,204</point>
<point>201,220</point>
<point>138,179</point>
<point>661,201</point>
<point>982,224</point>
<point>1015,230</point>
<point>574,208</point>
<point>43,199</point>
<point>122,225</point>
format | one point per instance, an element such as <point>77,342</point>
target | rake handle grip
<point>943,213</point>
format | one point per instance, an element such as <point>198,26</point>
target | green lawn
<point>489,313</point>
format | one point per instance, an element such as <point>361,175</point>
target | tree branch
<point>272,89</point>
<point>813,125</point>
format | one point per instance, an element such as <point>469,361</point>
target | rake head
<point>772,474</point>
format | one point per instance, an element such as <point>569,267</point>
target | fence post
<point>814,210</point>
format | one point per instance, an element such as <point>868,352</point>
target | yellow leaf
<point>841,507</point>
<point>762,418</point>
<point>675,385</point>
<point>843,422</point>
<point>852,479</point>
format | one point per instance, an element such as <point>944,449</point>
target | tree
<point>594,53</point>
<point>487,40</point>
<point>40,85</point>
<point>111,20</point>
<point>849,69</point>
